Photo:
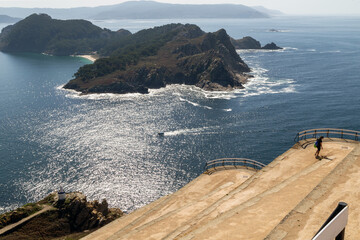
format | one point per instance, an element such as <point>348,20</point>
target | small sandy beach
<point>92,58</point>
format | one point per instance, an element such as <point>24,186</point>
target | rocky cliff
<point>74,216</point>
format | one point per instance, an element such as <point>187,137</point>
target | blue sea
<point>106,145</point>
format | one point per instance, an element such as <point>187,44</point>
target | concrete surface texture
<point>288,199</point>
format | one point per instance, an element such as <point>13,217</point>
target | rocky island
<point>135,63</point>
<point>39,33</point>
<point>171,54</point>
<point>251,43</point>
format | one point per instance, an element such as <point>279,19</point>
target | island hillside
<point>171,54</point>
<point>41,34</point>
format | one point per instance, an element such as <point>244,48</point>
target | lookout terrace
<point>290,198</point>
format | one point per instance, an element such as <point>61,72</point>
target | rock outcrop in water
<point>251,43</point>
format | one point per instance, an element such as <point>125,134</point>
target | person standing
<point>318,145</point>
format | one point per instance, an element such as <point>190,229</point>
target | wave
<point>279,30</point>
<point>249,51</point>
<point>334,51</point>
<point>239,51</point>
<point>290,48</point>
<point>194,104</point>
<point>263,84</point>
<point>70,93</point>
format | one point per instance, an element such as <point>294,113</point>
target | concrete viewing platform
<point>288,199</point>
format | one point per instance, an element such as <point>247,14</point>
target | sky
<point>298,7</point>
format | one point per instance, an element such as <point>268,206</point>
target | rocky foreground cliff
<point>74,217</point>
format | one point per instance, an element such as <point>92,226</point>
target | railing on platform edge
<point>334,226</point>
<point>233,163</point>
<point>327,132</point>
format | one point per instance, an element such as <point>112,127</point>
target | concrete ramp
<point>156,220</point>
<point>244,204</point>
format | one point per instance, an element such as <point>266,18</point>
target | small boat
<point>161,134</point>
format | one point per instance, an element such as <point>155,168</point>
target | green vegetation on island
<point>170,54</point>
<point>41,33</point>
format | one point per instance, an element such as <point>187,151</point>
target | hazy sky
<point>321,7</point>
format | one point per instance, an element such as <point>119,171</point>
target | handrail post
<point>334,226</point>
<point>341,235</point>
<point>327,134</point>
<point>297,137</point>
<point>305,135</point>
<point>314,134</point>
<point>342,133</point>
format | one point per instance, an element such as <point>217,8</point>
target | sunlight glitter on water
<point>104,150</point>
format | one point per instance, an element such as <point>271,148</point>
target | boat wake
<point>192,131</point>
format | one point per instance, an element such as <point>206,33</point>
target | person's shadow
<point>323,157</point>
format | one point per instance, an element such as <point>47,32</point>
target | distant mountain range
<point>146,10</point>
<point>7,19</point>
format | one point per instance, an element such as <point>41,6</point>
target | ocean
<point>107,145</point>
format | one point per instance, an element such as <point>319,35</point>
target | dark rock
<point>83,215</point>
<point>271,46</point>
<point>103,207</point>
<point>251,43</point>
<point>123,32</point>
<point>74,215</point>
<point>246,43</point>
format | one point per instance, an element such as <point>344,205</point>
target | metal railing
<point>327,132</point>
<point>334,226</point>
<point>231,163</point>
